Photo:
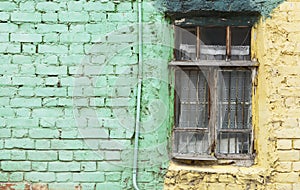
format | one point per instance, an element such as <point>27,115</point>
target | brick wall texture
<point>68,78</point>
<point>68,74</point>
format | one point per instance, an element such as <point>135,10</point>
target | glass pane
<point>191,143</point>
<point>213,43</point>
<point>186,41</point>
<point>192,99</point>
<point>193,116</point>
<point>240,43</point>
<point>234,99</point>
<point>234,143</point>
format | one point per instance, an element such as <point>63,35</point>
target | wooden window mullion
<point>213,110</point>
<point>228,43</point>
<point>253,77</point>
<point>198,43</point>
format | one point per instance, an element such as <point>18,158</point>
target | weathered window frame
<point>215,66</point>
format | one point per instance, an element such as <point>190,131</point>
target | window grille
<point>234,114</point>
<point>192,97</point>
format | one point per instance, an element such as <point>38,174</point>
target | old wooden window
<point>213,93</point>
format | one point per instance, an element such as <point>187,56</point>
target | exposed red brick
<point>7,186</point>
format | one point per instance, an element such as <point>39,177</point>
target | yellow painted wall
<point>276,46</point>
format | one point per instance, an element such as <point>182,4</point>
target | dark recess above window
<point>175,7</point>
<point>217,12</point>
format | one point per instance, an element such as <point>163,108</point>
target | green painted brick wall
<point>68,75</point>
